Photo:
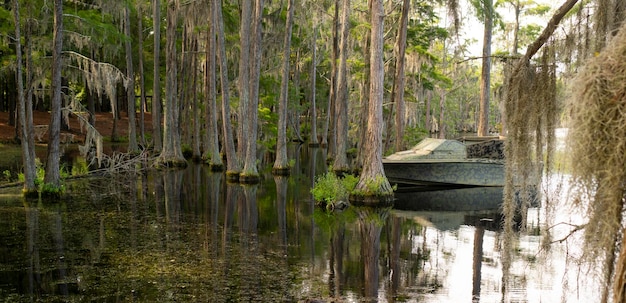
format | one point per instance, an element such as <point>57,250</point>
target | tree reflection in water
<point>371,221</point>
<point>190,236</point>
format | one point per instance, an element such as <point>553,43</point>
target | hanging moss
<point>530,108</point>
<point>597,139</point>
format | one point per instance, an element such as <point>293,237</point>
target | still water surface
<point>189,236</point>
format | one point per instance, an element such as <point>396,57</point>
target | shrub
<point>330,189</point>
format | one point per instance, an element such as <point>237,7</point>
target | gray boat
<point>440,162</point>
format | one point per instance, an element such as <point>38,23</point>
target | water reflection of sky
<point>537,274</point>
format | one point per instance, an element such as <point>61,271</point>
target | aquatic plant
<point>329,189</point>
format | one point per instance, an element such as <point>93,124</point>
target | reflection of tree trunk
<point>158,196</point>
<point>479,234</point>
<point>250,212</point>
<point>281,201</point>
<point>231,200</point>
<point>396,234</point>
<point>132,197</point>
<point>250,238</point>
<point>60,249</point>
<point>173,180</point>
<point>32,234</point>
<point>215,186</point>
<point>335,278</point>
<point>370,227</point>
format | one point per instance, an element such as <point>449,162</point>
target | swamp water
<point>189,236</point>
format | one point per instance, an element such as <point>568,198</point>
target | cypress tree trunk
<point>156,86</point>
<point>314,142</point>
<point>398,84</point>
<point>373,172</point>
<point>31,168</point>
<point>171,155</point>
<point>250,173</point>
<point>485,79</point>
<point>130,86</point>
<point>329,134</point>
<point>233,167</point>
<point>340,165</point>
<point>244,77</point>
<point>211,149</point>
<point>142,83</point>
<point>25,125</point>
<point>281,165</point>
<point>53,176</point>
<point>364,95</point>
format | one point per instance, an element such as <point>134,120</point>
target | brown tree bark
<point>398,84</point>
<point>233,167</point>
<point>250,172</point>
<point>156,88</point>
<point>281,165</point>
<point>329,134</point>
<point>373,172</point>
<point>23,106</point>
<point>365,95</point>
<point>340,165</point>
<point>243,83</point>
<point>142,82</point>
<point>485,78</point>
<point>211,148</point>
<point>130,85</point>
<point>53,174</point>
<point>171,154</point>
<point>314,142</point>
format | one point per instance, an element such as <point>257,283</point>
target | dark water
<point>188,236</point>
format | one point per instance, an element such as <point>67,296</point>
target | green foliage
<point>414,134</point>
<point>374,187</point>
<point>269,127</point>
<point>7,175</point>
<point>80,168</point>
<point>330,189</point>
<point>51,190</point>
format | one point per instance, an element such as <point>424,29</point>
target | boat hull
<point>461,173</point>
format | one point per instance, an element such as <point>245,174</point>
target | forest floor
<point>104,125</point>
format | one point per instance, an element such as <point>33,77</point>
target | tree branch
<point>504,57</point>
<point>547,32</point>
<point>576,228</point>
